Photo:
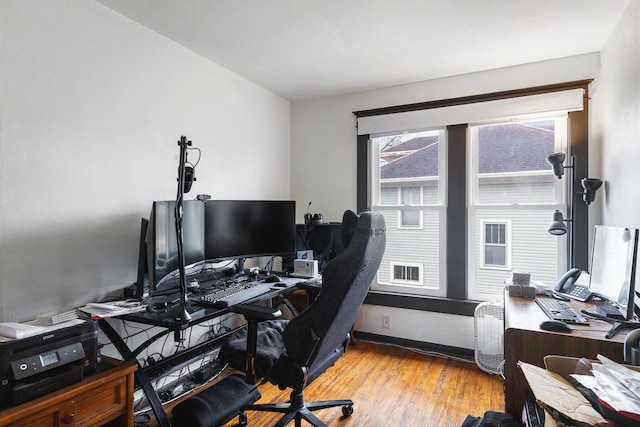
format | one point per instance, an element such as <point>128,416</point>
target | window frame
<point>476,206</point>
<point>439,205</point>
<point>456,300</point>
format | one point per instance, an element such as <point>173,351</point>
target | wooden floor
<point>394,387</point>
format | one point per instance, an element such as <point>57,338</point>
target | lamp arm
<point>571,199</point>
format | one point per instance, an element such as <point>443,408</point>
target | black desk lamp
<point>590,186</point>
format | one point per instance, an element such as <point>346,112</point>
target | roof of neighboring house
<point>423,162</point>
<point>527,151</point>
<point>413,144</point>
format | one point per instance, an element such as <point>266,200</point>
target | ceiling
<point>302,49</point>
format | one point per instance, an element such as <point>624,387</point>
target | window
<point>407,187</point>
<point>486,211</point>
<point>408,274</point>
<point>510,179</point>
<point>496,249</point>
<point>410,196</point>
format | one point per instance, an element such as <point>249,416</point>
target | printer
<point>39,364</point>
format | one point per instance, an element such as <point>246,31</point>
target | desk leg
<point>141,377</point>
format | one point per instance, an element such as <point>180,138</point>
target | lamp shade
<point>557,226</point>
<point>556,161</point>
<point>590,186</point>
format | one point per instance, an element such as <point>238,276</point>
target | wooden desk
<point>104,397</point>
<point>525,341</point>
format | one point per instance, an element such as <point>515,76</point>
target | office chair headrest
<point>370,224</point>
<point>349,222</point>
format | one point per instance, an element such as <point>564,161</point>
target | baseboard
<point>446,350</point>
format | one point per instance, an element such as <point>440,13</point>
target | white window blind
<point>546,103</point>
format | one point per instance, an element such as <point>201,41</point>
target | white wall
<point>91,108</point>
<point>615,119</point>
<point>323,170</point>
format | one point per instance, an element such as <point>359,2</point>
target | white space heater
<point>489,331</point>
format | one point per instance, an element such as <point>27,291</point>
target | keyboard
<point>560,310</point>
<point>233,294</point>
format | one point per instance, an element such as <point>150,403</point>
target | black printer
<point>40,364</point>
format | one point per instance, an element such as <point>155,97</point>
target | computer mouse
<point>273,279</point>
<point>279,285</point>
<point>555,326</point>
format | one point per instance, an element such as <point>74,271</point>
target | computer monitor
<point>613,266</point>
<point>141,287</point>
<point>249,228</point>
<point>215,230</point>
<point>162,249</point>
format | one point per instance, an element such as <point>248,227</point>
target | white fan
<point>489,330</point>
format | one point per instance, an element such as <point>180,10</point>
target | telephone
<point>574,284</point>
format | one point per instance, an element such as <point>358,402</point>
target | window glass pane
<point>511,162</point>
<point>407,176</point>
<point>495,255</point>
<point>414,274</point>
<point>410,196</point>
<point>532,249</point>
<point>408,160</point>
<point>513,196</point>
<point>398,272</point>
<point>408,247</point>
<point>410,218</point>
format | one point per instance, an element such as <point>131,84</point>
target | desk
<point>165,319</point>
<point>100,398</point>
<point>525,341</point>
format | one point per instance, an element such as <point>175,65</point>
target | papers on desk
<point>112,309</point>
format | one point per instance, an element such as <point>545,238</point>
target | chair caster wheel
<point>347,410</point>
<point>243,419</point>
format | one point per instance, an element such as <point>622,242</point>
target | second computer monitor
<point>249,228</point>
<point>613,266</point>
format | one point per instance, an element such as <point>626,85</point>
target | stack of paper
<point>19,330</point>
<point>112,309</point>
<point>557,396</point>
<point>616,386</point>
<point>58,316</point>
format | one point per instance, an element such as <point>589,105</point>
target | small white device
<point>305,268</point>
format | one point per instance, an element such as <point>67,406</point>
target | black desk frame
<point>165,320</point>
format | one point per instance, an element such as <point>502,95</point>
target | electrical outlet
<point>385,322</point>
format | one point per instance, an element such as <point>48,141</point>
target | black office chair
<point>291,354</point>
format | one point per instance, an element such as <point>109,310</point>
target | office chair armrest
<point>257,313</point>
<point>254,315</point>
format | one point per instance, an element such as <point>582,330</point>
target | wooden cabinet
<point>524,341</point>
<point>104,397</point>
